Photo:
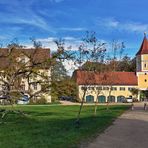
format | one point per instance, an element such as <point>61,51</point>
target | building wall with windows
<point>101,93</point>
<point>41,54</point>
<point>103,87</point>
<point>142,65</point>
<point>114,86</point>
<point>35,87</point>
<point>142,80</point>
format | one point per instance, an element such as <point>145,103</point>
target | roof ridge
<point>144,46</point>
<point>114,78</point>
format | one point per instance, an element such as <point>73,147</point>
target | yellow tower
<point>142,65</point>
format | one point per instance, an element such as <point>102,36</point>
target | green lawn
<point>53,126</point>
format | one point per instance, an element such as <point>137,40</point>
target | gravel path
<point>130,130</point>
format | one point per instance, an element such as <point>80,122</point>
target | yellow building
<point>114,86</point>
<point>31,85</point>
<point>142,65</point>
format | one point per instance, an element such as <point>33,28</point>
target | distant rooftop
<point>144,46</point>
<point>83,77</point>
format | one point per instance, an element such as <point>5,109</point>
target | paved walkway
<point>129,131</point>
<point>76,103</point>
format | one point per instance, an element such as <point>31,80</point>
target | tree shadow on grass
<point>49,132</point>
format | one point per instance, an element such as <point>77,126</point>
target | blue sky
<point>123,20</point>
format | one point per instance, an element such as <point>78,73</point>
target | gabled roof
<point>106,78</point>
<point>144,47</point>
<point>37,55</point>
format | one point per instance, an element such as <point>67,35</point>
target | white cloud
<point>51,39</point>
<point>129,26</point>
<point>70,66</point>
<point>36,21</point>
<point>23,13</point>
<point>56,1</point>
<point>47,40</point>
<point>3,37</point>
<point>32,20</point>
<point>70,42</point>
<point>108,22</point>
<point>135,27</point>
<point>69,38</point>
<point>72,29</point>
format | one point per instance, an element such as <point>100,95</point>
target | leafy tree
<point>33,69</point>
<point>94,66</point>
<point>126,64</point>
<point>58,71</point>
<point>143,94</point>
<point>135,91</point>
<point>62,84</point>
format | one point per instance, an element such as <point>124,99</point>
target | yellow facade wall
<point>145,57</point>
<point>142,76</point>
<point>144,62</point>
<point>143,80</point>
<point>116,93</point>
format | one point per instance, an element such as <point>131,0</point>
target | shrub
<point>41,100</point>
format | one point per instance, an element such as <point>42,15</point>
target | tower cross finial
<point>144,34</point>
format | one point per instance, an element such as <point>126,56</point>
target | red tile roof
<point>39,55</point>
<point>107,78</point>
<point>144,47</point>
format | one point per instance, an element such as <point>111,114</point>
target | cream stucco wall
<point>24,82</point>
<point>143,74</point>
<point>144,62</point>
<point>116,93</point>
<point>142,80</point>
<point>45,72</point>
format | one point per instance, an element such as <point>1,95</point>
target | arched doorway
<point>111,98</point>
<point>101,99</point>
<point>89,99</point>
<point>120,98</point>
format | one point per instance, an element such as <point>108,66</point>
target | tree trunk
<point>107,108</point>
<point>79,113</point>
<point>96,105</point>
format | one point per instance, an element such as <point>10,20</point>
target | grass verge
<point>53,126</point>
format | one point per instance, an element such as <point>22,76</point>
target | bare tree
<point>112,62</point>
<point>91,50</point>
<point>23,71</point>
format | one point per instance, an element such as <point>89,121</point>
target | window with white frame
<point>130,88</point>
<point>105,88</point>
<point>34,86</point>
<point>99,88</point>
<point>114,88</point>
<point>122,88</point>
<point>23,86</point>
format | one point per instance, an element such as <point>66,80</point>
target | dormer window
<point>23,59</point>
<point>35,86</point>
<point>23,86</point>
